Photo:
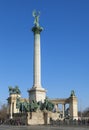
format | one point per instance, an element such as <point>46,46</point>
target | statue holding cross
<point>36,15</point>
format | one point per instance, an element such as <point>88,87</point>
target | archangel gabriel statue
<point>36,15</point>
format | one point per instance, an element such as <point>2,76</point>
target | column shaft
<point>63,109</point>
<point>37,61</point>
<point>11,111</point>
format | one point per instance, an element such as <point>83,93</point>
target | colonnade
<point>69,106</point>
<point>71,110</point>
<point>63,111</point>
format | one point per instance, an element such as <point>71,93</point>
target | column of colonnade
<point>63,110</point>
<point>11,113</point>
<point>12,105</point>
<point>56,109</point>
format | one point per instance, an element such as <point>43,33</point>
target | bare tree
<point>3,112</point>
<point>86,112</point>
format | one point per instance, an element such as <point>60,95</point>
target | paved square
<point>6,127</point>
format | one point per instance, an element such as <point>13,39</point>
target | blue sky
<point>64,47</point>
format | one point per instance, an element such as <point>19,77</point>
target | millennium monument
<point>37,92</point>
<point>38,109</point>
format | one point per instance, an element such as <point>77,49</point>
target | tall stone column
<point>37,58</point>
<point>37,93</point>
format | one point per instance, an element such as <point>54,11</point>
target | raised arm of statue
<point>36,16</point>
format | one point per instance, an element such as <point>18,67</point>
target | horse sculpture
<point>14,90</point>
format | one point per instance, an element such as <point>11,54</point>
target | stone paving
<point>6,127</point>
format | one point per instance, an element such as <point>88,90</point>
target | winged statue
<point>36,15</point>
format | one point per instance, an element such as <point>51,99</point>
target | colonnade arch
<point>60,105</point>
<point>68,107</point>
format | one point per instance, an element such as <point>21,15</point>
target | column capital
<point>37,30</point>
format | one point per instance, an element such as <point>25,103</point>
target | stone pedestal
<point>37,94</point>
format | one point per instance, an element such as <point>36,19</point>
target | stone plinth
<point>35,118</point>
<point>41,117</point>
<point>37,94</point>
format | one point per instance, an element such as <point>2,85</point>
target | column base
<point>37,94</point>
